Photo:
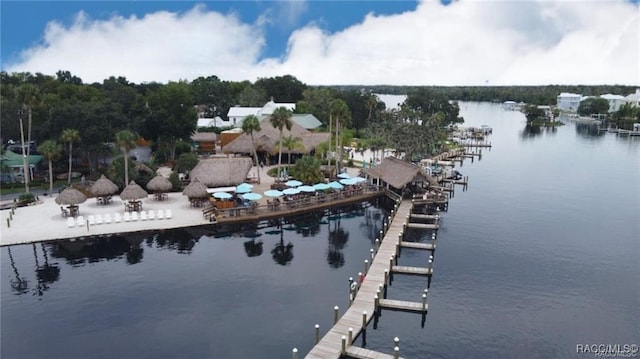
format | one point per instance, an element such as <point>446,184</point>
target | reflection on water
<point>183,292</point>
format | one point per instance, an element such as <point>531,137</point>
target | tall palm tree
<point>70,136</point>
<point>28,94</point>
<point>340,112</point>
<point>250,125</point>
<point>280,119</point>
<point>126,141</point>
<point>51,150</point>
<point>292,143</point>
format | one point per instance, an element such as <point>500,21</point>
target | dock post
<point>344,345</point>
<point>317,333</point>
<point>376,309</point>
<point>431,264</point>
<point>424,302</point>
<point>366,266</point>
<point>294,353</point>
<point>390,270</point>
<point>377,244</point>
<point>8,223</point>
<point>350,340</point>
<point>373,253</point>
<point>386,281</point>
<point>364,328</point>
<point>11,216</point>
<point>336,311</point>
<point>381,235</point>
<point>396,342</point>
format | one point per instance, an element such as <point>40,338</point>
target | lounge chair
<point>160,214</point>
<point>98,219</point>
<point>80,221</point>
<point>92,220</point>
<point>117,218</point>
<point>134,216</point>
<point>71,222</point>
<point>126,217</point>
<point>107,218</point>
<point>143,215</point>
<point>151,215</point>
<point>168,214</point>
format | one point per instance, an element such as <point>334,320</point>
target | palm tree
<point>292,143</point>
<point>340,112</point>
<point>70,136</point>
<point>50,149</point>
<point>251,124</point>
<point>126,141</point>
<point>280,119</point>
<point>28,95</point>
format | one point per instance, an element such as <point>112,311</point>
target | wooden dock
<point>422,225</point>
<point>362,353</point>
<point>404,306</point>
<point>330,346</point>
<point>424,216</point>
<point>412,270</point>
<point>417,245</point>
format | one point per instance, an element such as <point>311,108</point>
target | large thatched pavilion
<point>399,175</point>
<point>268,136</point>
<point>222,172</point>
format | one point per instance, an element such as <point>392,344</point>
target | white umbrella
<point>344,175</point>
<point>358,179</point>
<point>321,186</point>
<point>241,189</point>
<point>222,195</point>
<point>273,193</point>
<point>335,185</point>
<point>348,181</point>
<point>291,191</point>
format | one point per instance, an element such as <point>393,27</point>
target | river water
<point>541,253</point>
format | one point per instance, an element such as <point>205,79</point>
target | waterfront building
<point>615,101</point>
<point>633,99</point>
<point>237,114</point>
<point>569,102</point>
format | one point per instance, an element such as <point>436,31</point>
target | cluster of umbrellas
<point>297,186</point>
<point>104,187</point>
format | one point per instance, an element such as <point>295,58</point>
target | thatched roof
<point>398,173</point>
<point>221,172</point>
<point>133,191</point>
<point>104,187</point>
<point>268,136</point>
<point>159,184</point>
<point>70,196</point>
<point>196,189</point>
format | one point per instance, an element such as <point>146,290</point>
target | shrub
<point>27,198</point>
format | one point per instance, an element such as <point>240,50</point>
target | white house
<point>615,101</point>
<point>237,114</point>
<point>212,122</point>
<point>633,99</point>
<point>568,101</point>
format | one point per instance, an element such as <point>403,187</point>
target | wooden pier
<point>422,225</point>
<point>418,245</point>
<point>422,271</point>
<point>403,305</point>
<point>362,308</point>
<point>362,353</point>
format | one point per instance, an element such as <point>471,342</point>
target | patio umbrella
<point>306,189</point>
<point>245,185</point>
<point>335,185</point>
<point>103,187</point>
<point>293,183</point>
<point>252,196</point>
<point>289,191</point>
<point>273,193</point>
<point>344,175</point>
<point>348,181</point>
<point>240,189</point>
<point>70,196</point>
<point>133,192</point>
<point>321,186</point>
<point>358,179</point>
<point>196,189</point>
<point>222,195</point>
<point>159,184</point>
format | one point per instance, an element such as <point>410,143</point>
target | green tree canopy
<point>593,105</point>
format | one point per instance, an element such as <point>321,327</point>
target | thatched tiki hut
<point>400,176</point>
<point>70,197</point>
<point>159,186</point>
<point>197,193</point>
<point>133,193</point>
<point>222,172</point>
<point>103,188</point>
<point>268,136</point>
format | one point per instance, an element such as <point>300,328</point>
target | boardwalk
<point>330,346</point>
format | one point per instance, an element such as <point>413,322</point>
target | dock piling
<point>344,345</point>
<point>364,328</point>
<point>336,311</point>
<point>350,336</point>
<point>366,266</point>
<point>294,353</point>
<point>317,333</point>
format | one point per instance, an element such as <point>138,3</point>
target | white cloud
<point>474,43</point>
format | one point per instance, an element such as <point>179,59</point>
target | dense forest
<point>166,114</point>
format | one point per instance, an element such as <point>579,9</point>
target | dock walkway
<point>330,346</point>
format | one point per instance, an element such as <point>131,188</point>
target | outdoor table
<point>74,210</point>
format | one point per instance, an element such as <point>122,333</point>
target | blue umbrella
<point>244,186</point>
<point>348,181</point>
<point>321,186</point>
<point>240,189</point>
<point>222,195</point>
<point>273,193</point>
<point>358,179</point>
<point>252,196</point>
<point>291,191</point>
<point>293,183</point>
<point>344,175</point>
<point>307,189</point>
<point>335,185</point>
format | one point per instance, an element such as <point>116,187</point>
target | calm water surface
<point>540,254</point>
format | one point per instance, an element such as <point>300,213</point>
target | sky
<point>321,42</point>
